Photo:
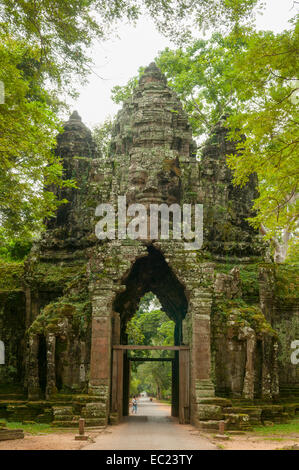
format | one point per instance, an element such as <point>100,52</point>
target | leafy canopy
<point>266,80</point>
<point>27,129</point>
<point>151,326</point>
<point>44,50</point>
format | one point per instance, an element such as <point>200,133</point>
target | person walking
<point>134,405</point>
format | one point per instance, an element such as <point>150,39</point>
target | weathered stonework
<point>77,293</point>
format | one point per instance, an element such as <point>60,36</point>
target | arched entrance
<point>150,273</point>
<point>120,274</point>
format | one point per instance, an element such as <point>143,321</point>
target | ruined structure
<point>64,314</point>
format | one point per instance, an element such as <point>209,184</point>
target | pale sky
<point>118,60</point>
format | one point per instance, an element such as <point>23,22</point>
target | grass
<point>167,402</point>
<point>279,429</point>
<point>35,428</point>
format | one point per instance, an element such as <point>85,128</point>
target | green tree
<point>27,129</point>
<point>180,19</point>
<point>266,80</point>
<point>252,78</point>
<point>151,326</point>
<point>63,32</point>
<point>202,76</point>
<point>154,378</point>
<point>45,49</point>
<point>102,137</point>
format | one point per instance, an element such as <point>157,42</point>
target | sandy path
<point>249,442</point>
<point>151,429</point>
<point>55,441</point>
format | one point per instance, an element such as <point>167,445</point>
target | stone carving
<point>81,292</point>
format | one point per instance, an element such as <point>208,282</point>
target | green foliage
<point>250,282</point>
<point>202,76</point>
<point>135,386</point>
<point>102,136</point>
<point>34,428</point>
<point>63,32</point>
<point>44,49</point>
<point>249,276</point>
<point>120,94</point>
<point>279,429</point>
<point>250,79</point>
<point>27,136</point>
<point>287,283</point>
<point>74,306</point>
<point>11,275</point>
<point>238,313</point>
<point>15,250</point>
<point>151,326</point>
<point>178,19</point>
<point>265,80</point>
<point>154,378</point>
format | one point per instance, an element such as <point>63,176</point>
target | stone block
<point>237,421</point>
<point>209,425</point>
<point>10,434</point>
<point>209,412</point>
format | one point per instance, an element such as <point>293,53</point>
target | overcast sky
<point>118,60</point>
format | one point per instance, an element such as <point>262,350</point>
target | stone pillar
<point>82,370</point>
<point>100,355</point>
<point>100,360</point>
<point>267,368</point>
<point>275,371</point>
<point>32,306</point>
<point>51,372</point>
<point>248,387</point>
<point>199,282</point>
<point>33,375</point>
<point>201,384</point>
<point>201,354</point>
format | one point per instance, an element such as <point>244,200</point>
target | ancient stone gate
<point>76,293</point>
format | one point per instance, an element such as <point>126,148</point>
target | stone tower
<point>81,291</point>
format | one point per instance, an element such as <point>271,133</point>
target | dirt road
<point>151,428</point>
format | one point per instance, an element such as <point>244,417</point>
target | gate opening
<point>147,325</point>
<point>150,385</point>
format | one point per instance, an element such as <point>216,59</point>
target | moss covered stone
<point>11,276</point>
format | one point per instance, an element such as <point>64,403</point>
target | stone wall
<point>280,303</point>
<point>76,294</point>
<point>12,326</point>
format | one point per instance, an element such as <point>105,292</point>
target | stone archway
<point>152,273</point>
<point>172,274</point>
<point>148,273</point>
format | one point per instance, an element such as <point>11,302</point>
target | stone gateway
<point>64,312</point>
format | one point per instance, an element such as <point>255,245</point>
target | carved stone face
<point>156,181</point>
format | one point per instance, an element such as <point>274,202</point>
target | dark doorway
<point>42,364</point>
